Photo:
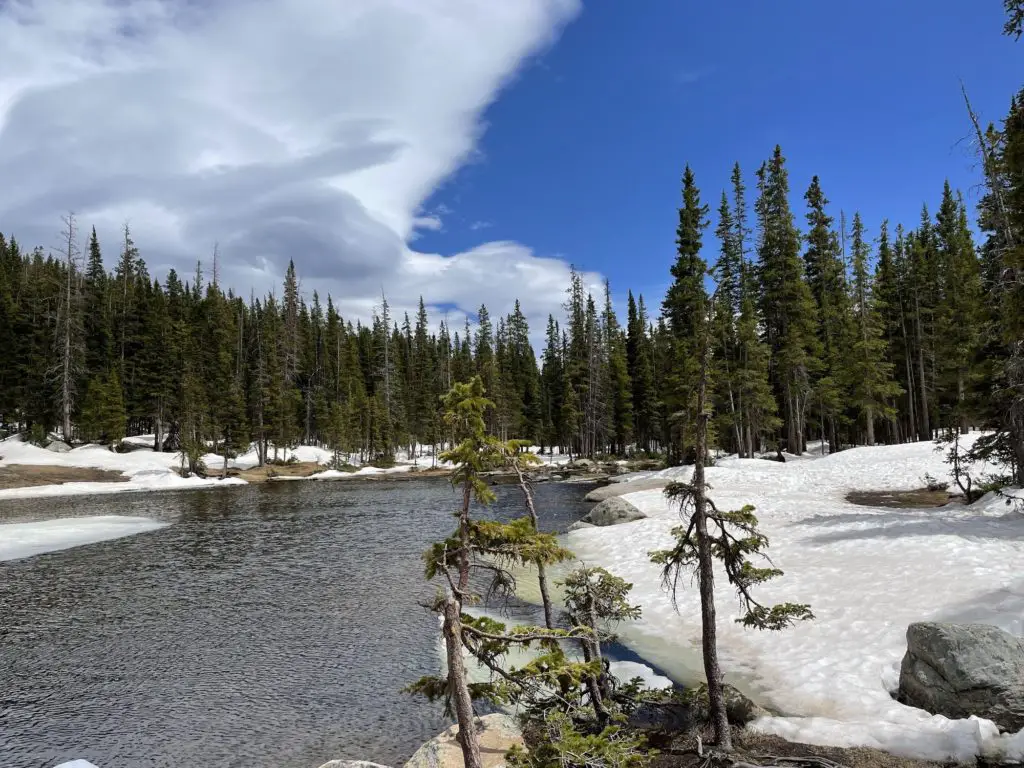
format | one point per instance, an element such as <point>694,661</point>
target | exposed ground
<point>302,469</point>
<point>919,498</point>
<point>29,475</point>
<point>763,750</point>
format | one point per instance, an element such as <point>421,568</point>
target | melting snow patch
<point>18,540</point>
<point>76,764</point>
<point>867,573</point>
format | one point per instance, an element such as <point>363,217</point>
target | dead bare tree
<point>70,329</point>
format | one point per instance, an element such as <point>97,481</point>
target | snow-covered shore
<point>147,470</point>
<point>867,574</point>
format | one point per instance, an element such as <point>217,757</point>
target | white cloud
<point>304,129</point>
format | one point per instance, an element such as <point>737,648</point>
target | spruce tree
<point>683,306</point>
<point>786,304</point>
<point>873,386</point>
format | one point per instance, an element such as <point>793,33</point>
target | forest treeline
<point>821,329</point>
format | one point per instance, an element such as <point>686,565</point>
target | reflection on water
<point>269,627</point>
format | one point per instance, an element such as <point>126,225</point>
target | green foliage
<point>103,418</point>
<point>735,540</point>
<point>561,745</point>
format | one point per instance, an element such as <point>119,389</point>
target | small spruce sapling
<point>489,548</point>
<point>595,600</point>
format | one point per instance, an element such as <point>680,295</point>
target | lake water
<point>270,626</point>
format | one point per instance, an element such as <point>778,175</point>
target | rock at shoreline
<point>613,512</point>
<point>496,734</point>
<point>621,489</point>
<point>579,525</point>
<point>352,764</point>
<point>959,670</point>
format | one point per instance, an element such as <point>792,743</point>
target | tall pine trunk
<point>706,569</point>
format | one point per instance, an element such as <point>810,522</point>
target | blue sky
<point>583,153</point>
<point>336,134</point>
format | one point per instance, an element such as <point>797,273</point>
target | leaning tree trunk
<point>458,686</point>
<point>542,577</point>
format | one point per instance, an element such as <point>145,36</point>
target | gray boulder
<point>496,734</point>
<point>613,512</point>
<point>58,446</point>
<point>621,489</point>
<point>579,525</point>
<point>959,670</point>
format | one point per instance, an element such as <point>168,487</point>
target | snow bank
<point>146,470</point>
<point>18,540</point>
<point>76,764</point>
<point>867,574</point>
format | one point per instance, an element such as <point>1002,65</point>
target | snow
<point>18,540</point>
<point>146,470</point>
<point>866,572</point>
<point>625,671</point>
<point>76,764</point>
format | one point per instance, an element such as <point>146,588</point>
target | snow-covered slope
<point>867,574</point>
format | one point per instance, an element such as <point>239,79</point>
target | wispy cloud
<point>305,129</point>
<point>478,225</point>
<point>691,76</point>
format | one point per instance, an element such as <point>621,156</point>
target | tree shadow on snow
<point>904,524</point>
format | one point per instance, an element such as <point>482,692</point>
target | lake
<point>271,626</point>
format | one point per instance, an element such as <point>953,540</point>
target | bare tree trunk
<point>706,569</point>
<point>869,416</point>
<point>524,486</point>
<point>593,688</point>
<point>458,685</point>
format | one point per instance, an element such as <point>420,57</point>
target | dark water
<point>270,626</point>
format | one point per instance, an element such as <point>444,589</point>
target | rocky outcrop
<point>496,734</point>
<point>621,489</point>
<point>613,512</point>
<point>959,670</point>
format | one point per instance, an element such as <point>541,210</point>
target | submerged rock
<point>351,764</point>
<point>959,670</point>
<point>613,512</point>
<point>496,734</point>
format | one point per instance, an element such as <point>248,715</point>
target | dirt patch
<point>303,469</point>
<point>921,498</point>
<point>268,472</point>
<point>761,749</point>
<point>31,475</point>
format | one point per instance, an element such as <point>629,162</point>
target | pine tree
<point>825,270</point>
<point>873,386</point>
<point>684,308</point>
<point>786,303</point>
<point>618,385</point>
<point>958,317</point>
